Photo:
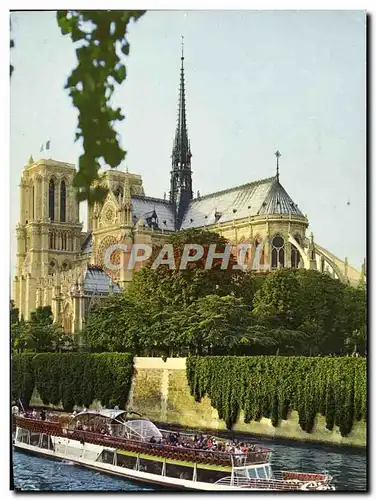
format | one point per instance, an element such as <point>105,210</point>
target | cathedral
<point>60,265</point>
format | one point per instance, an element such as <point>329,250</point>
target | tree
<point>322,308</point>
<point>356,314</point>
<point>222,325</point>
<point>115,325</point>
<point>278,299</point>
<point>40,334</point>
<point>161,287</point>
<point>14,313</point>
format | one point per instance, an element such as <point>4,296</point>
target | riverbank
<point>160,392</point>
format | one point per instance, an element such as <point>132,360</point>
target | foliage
<point>115,325</point>
<point>270,387</point>
<point>22,378</point>
<point>355,303</point>
<point>39,334</point>
<point>102,40</point>
<point>217,312</point>
<point>73,378</point>
<point>162,286</point>
<point>328,311</point>
<point>14,313</point>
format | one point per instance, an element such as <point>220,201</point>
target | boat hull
<point>136,476</point>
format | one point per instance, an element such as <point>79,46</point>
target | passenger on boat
<point>43,414</point>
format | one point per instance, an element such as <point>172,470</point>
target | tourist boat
<point>125,444</point>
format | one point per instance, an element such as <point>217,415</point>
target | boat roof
<point>105,413</point>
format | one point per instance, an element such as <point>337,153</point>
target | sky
<point>256,81</point>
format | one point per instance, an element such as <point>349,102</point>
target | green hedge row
<point>272,386</point>
<point>73,378</point>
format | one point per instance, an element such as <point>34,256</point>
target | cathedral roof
<point>97,281</point>
<point>278,201</point>
<point>143,207</point>
<point>263,197</point>
<point>266,196</point>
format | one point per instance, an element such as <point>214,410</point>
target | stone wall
<point>160,392</point>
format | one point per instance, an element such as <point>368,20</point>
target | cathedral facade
<point>60,265</point>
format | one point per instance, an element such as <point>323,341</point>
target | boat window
<point>268,470</point>
<point>151,466</point>
<point>241,473</point>
<point>34,438</point>
<point>252,473</point>
<point>143,430</point>
<point>210,476</point>
<point>261,473</point>
<point>23,435</point>
<point>179,471</point>
<point>127,461</point>
<point>106,457</point>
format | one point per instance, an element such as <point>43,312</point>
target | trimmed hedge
<point>22,377</point>
<point>73,378</point>
<point>272,386</point>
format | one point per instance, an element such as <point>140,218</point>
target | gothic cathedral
<point>60,265</point>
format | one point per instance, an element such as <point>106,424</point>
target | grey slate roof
<point>240,202</point>
<point>278,201</point>
<point>263,197</point>
<point>87,244</point>
<point>144,206</point>
<point>97,281</point>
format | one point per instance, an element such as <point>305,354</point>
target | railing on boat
<point>225,459</point>
<point>282,481</point>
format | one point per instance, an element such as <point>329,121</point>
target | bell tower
<point>48,232</point>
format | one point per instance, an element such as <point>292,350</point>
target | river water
<point>348,467</point>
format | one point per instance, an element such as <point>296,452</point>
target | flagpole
<point>46,146</point>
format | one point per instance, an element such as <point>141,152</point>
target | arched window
<point>51,240</point>
<point>278,252</point>
<point>63,201</point>
<point>52,267</point>
<point>295,254</point>
<point>51,200</point>
<point>258,256</point>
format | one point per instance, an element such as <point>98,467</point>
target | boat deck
<point>218,458</point>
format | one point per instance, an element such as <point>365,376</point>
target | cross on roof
<point>278,155</point>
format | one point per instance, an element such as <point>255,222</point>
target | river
<point>348,467</point>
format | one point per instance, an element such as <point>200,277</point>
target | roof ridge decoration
<point>229,190</point>
<point>151,198</point>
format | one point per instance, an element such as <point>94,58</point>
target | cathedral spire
<point>181,151</point>
<point>181,174</point>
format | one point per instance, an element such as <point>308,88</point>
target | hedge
<point>73,378</point>
<point>272,386</point>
